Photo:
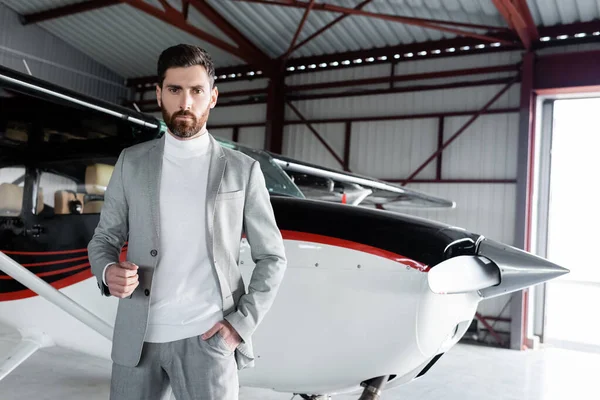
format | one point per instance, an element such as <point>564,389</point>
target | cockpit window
<point>277,181</point>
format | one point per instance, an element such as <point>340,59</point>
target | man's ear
<point>213,97</point>
<point>158,95</point>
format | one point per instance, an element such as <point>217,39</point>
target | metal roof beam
<point>300,26</point>
<point>397,117</point>
<point>564,72</point>
<point>260,58</point>
<point>445,26</point>
<point>403,89</point>
<point>65,11</point>
<point>517,15</point>
<point>405,78</point>
<point>329,25</point>
<point>437,48</point>
<point>173,17</point>
<point>589,28</point>
<point>185,8</point>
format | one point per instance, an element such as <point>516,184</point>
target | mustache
<point>183,113</point>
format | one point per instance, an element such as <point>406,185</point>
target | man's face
<point>185,100</point>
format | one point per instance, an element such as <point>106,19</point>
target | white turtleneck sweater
<point>186,299</point>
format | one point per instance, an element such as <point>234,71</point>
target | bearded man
<point>183,202</point>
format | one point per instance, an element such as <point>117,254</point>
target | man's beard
<point>184,128</point>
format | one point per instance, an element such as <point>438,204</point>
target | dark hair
<point>184,55</point>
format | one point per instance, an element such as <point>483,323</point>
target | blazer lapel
<point>215,175</point>
<point>155,159</point>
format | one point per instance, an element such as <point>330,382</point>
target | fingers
<point>128,265</point>
<point>116,278</point>
<point>122,270</point>
<point>122,291</point>
<point>128,281</point>
<point>210,333</point>
<point>123,286</point>
<point>125,273</point>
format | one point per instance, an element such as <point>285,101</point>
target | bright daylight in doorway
<point>573,219</point>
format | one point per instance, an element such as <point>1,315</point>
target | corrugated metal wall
<point>394,149</point>
<point>238,114</point>
<point>250,136</point>
<point>51,59</point>
<point>300,143</point>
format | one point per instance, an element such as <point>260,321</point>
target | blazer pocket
<point>230,195</point>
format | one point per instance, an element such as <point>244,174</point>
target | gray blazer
<point>237,202</point>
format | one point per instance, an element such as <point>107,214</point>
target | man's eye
<point>173,90</point>
<point>197,91</point>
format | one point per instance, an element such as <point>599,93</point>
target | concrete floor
<point>467,372</point>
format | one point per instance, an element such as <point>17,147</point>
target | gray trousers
<point>195,369</point>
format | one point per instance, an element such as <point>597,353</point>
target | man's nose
<point>186,101</point>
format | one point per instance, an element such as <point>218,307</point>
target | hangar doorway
<point>568,206</point>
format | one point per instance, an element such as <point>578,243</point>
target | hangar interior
<point>466,100</point>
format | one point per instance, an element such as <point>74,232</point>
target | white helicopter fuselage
<point>342,315</point>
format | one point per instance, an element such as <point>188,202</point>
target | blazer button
<point>153,253</point>
<point>147,292</point>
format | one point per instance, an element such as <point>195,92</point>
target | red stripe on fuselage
<point>286,234</point>
<point>43,253</point>
<point>54,272</point>
<point>61,283</point>
<point>48,253</point>
<point>71,280</point>
<point>332,241</point>
<point>55,262</point>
